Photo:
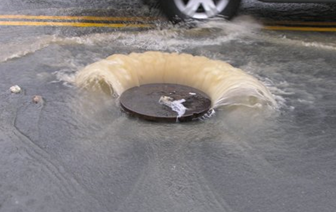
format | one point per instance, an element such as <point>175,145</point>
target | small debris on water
<point>193,94</point>
<point>37,99</point>
<point>165,100</point>
<point>15,89</point>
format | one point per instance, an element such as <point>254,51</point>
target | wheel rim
<point>201,9</point>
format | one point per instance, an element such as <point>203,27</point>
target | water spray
<point>173,87</point>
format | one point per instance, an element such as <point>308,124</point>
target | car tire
<point>176,10</point>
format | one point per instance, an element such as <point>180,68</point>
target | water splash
<point>224,84</point>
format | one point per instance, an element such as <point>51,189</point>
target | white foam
<point>175,105</point>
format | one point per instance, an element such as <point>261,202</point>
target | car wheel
<point>177,10</point>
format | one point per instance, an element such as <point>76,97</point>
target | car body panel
<point>177,10</point>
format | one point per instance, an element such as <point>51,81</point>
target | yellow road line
<point>127,19</point>
<point>294,23</point>
<point>311,29</point>
<point>73,24</point>
<point>87,18</point>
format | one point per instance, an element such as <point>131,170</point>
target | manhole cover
<point>165,102</point>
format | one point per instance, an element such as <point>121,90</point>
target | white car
<point>203,9</point>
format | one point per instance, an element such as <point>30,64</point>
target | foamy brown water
<point>226,85</point>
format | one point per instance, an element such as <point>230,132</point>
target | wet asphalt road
<point>81,153</point>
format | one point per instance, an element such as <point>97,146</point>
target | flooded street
<point>75,150</point>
